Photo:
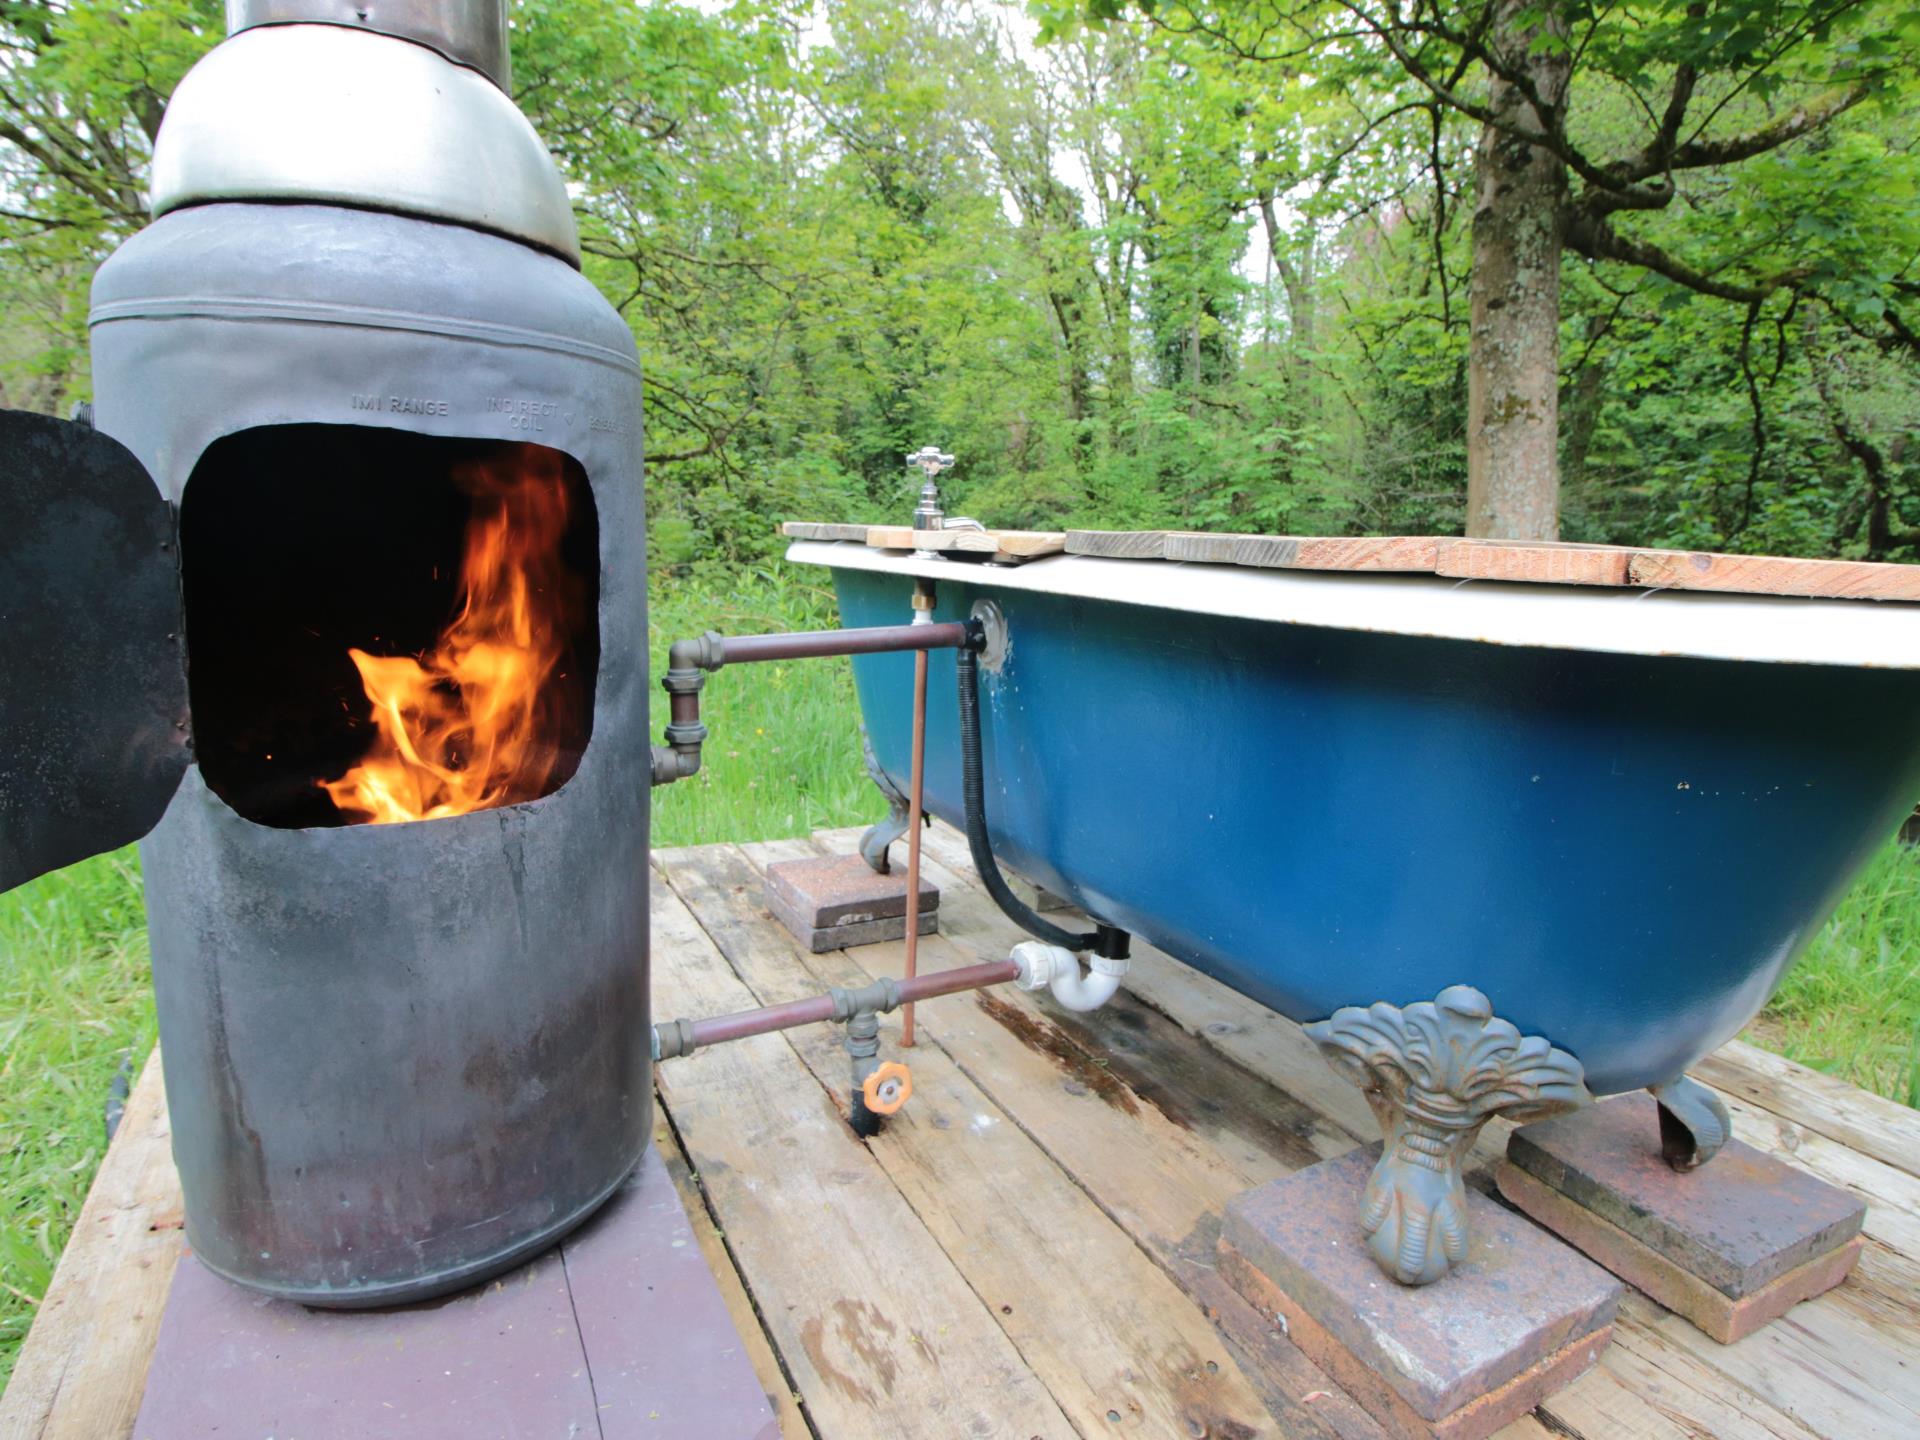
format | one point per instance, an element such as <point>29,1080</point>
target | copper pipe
<point>881,995</point>
<point>717,1029</point>
<point>917,780</point>
<point>690,661</point>
<point>810,644</point>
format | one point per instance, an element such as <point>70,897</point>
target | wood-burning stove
<point>363,490</point>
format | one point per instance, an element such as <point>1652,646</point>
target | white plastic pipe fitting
<point>1049,967</point>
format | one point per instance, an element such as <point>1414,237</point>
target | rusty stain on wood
<point>1050,1040</point>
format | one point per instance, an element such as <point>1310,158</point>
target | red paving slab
<point>626,1336</point>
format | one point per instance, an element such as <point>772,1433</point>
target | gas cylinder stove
<point>339,602</point>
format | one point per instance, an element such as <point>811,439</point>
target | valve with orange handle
<point>888,1088</point>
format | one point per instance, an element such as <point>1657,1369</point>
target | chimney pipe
<point>468,32</point>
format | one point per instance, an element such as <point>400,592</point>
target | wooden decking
<point>1027,1250</point>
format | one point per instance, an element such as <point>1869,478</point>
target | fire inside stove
<point>384,626</point>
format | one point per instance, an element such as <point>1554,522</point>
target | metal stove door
<point>93,686</point>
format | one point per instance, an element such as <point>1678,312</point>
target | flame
<point>472,723</point>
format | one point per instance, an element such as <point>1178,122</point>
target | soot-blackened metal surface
<point>93,699</point>
<point>399,1057</point>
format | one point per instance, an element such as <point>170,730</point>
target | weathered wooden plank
<point>1305,552</point>
<point>1798,1369</point>
<point>813,530</point>
<point>1774,575</point>
<point>1223,1018</point>
<point>1540,562</point>
<point>1856,1118</point>
<point>746,1320</point>
<point>880,1331</point>
<point>1103,1328</point>
<point>1239,1112</point>
<point>83,1368</point>
<point>1243,1031</point>
<point>1145,1180</point>
<point>1109,1054</point>
<point>1687,1390</point>
<point>1003,544</point>
<point>1600,1404</point>
<point>1117,544</point>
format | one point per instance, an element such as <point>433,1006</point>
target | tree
<point>1592,118</point>
<point>82,95</point>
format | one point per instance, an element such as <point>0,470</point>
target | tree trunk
<point>1513,475</point>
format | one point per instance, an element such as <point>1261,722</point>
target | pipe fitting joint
<point>1057,970</point>
<point>880,997</point>
<point>672,1039</point>
<point>709,652</point>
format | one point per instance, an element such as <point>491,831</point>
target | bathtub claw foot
<point>1694,1123</point>
<point>882,833</point>
<point>1434,1074</point>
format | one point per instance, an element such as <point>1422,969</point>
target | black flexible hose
<point>973,790</point>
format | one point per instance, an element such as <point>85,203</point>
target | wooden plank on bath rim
<point>1538,562</point>
<point>83,1368</point>
<point>1774,575</point>
<point>813,530</point>
<point>1007,545</point>
<point>881,1332</point>
<point>1103,1328</point>
<point>1413,553</point>
<point>1117,544</point>
<point>1552,562</point>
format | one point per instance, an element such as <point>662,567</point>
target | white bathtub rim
<point>1772,629</point>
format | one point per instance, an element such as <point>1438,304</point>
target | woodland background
<point>1186,264</point>
<point>1199,265</point>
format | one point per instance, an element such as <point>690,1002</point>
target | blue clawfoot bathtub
<point>1618,814</point>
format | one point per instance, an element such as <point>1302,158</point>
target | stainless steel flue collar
<point>344,115</point>
<point>468,32</point>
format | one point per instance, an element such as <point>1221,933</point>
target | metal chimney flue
<point>468,32</point>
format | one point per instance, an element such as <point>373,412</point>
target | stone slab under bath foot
<point>1731,1246</point>
<point>1522,1317</point>
<point>836,901</point>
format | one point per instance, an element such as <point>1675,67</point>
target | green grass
<point>784,755</point>
<point>1851,1007</point>
<point>783,759</point>
<point>74,1000</point>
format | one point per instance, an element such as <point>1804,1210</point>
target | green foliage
<point>784,754</point>
<point>75,1005</point>
<point>1190,264</point>
<point>1852,1005</point>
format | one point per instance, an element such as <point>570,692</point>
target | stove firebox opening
<point>384,626</point>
